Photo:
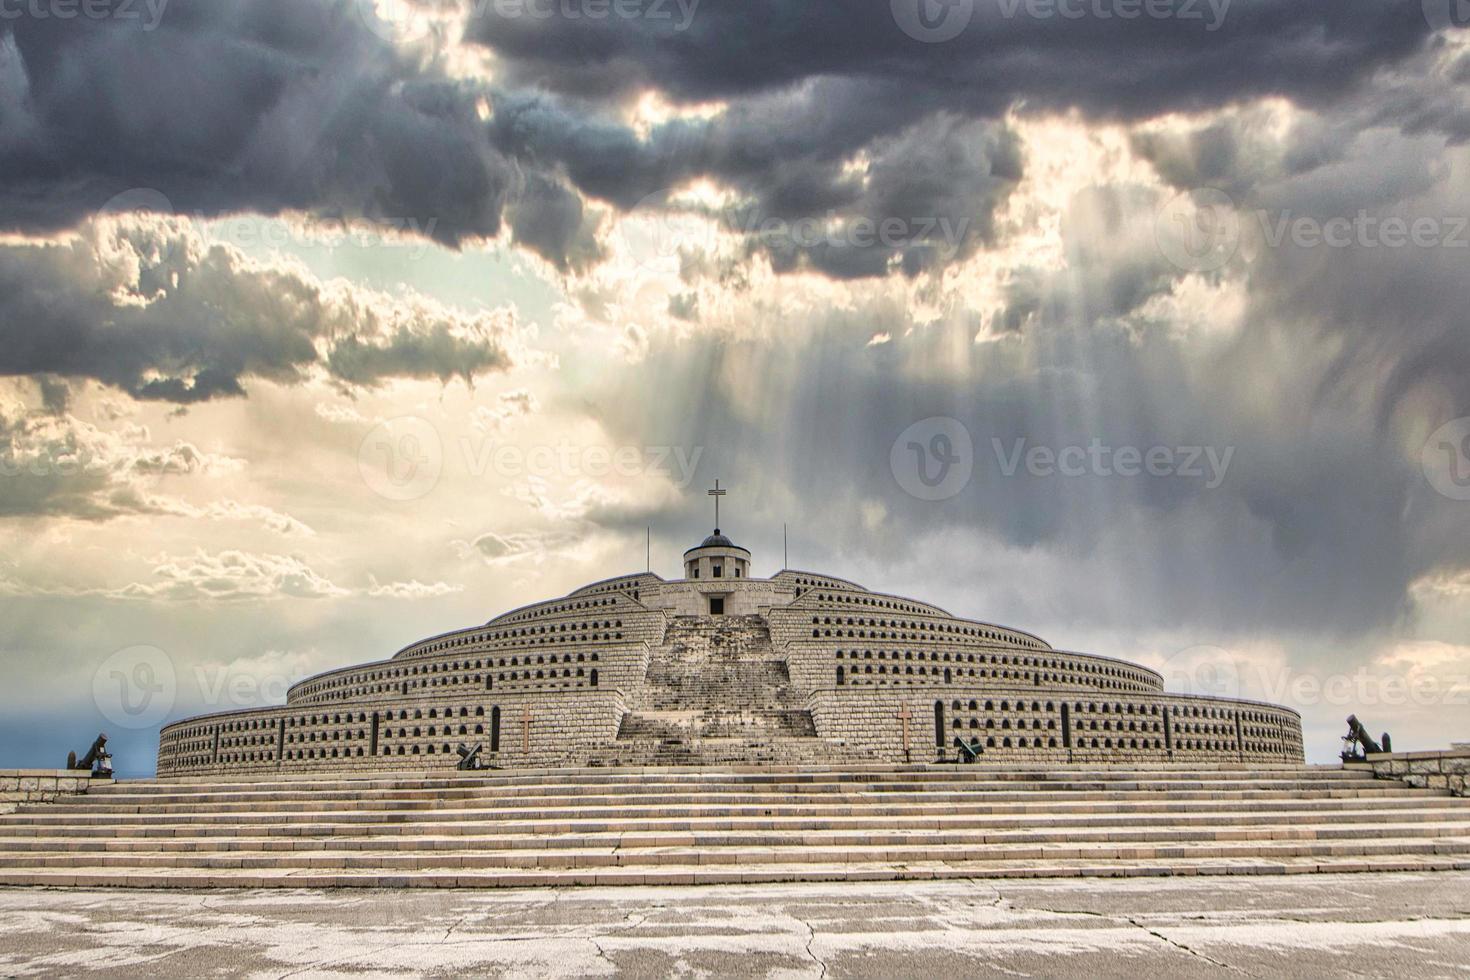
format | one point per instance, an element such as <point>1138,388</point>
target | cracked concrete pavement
<point>1370,925</point>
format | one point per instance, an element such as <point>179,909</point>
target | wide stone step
<point>872,773</point>
<point>717,832</point>
<point>690,817</point>
<point>275,813</point>
<point>183,794</point>
<point>818,822</point>
<point>713,874</point>
<point>932,816</point>
<point>309,805</point>
<point>611,781</point>
<point>553,824</point>
<point>247,803</point>
<point>471,808</point>
<point>792,854</point>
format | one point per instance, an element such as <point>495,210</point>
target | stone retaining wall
<point>19,786</point>
<point>1433,770</point>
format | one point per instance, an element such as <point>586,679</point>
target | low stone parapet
<point>19,786</point>
<point>1448,769</point>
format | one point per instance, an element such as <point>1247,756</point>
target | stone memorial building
<point>720,667</point>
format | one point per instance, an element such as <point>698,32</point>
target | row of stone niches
<point>1053,668</point>
<point>541,677</point>
<point>387,733</point>
<point>1150,727</point>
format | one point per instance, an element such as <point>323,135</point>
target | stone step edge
<point>566,787</point>
<point>693,785</point>
<point>717,875</point>
<point>614,843</point>
<point>559,838</point>
<point>1381,789</point>
<point>803,852</point>
<point>978,770</point>
<point>573,817</point>
<point>537,794</point>
<point>46,817</point>
<point>1013,770</point>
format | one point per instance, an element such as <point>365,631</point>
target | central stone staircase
<point>731,824</point>
<point>716,693</point>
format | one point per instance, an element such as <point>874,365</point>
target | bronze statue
<point>97,761</point>
<point>1357,744</point>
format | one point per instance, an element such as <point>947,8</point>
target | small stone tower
<point>716,558</point>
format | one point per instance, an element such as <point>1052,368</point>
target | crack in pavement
<point>1181,946</point>
<point>453,926</point>
<point>811,937</point>
<point>602,953</point>
<point>1132,921</point>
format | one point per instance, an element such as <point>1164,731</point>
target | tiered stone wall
<point>867,615</point>
<point>550,683</point>
<point>880,662</point>
<point>19,786</point>
<point>1054,726</point>
<point>515,730</point>
<point>559,651</point>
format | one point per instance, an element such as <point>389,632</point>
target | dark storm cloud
<point>144,305</point>
<point>1324,385</point>
<point>260,106</point>
<point>271,105</point>
<point>934,179</point>
<point>809,86</point>
<point>550,220</point>
<point>1313,51</point>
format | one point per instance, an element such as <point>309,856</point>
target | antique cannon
<point>97,761</point>
<point>469,759</point>
<point>1357,744</point>
<point>970,752</point>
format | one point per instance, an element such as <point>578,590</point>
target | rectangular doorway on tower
<point>717,605</point>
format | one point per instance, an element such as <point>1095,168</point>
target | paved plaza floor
<point>1373,925</point>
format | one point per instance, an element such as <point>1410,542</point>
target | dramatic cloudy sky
<point>326,325</point>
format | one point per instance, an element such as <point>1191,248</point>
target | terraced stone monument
<point>726,728</point>
<point>719,667</point>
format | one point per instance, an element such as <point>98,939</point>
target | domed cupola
<point>717,557</point>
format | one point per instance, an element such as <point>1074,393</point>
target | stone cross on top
<point>717,493</point>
